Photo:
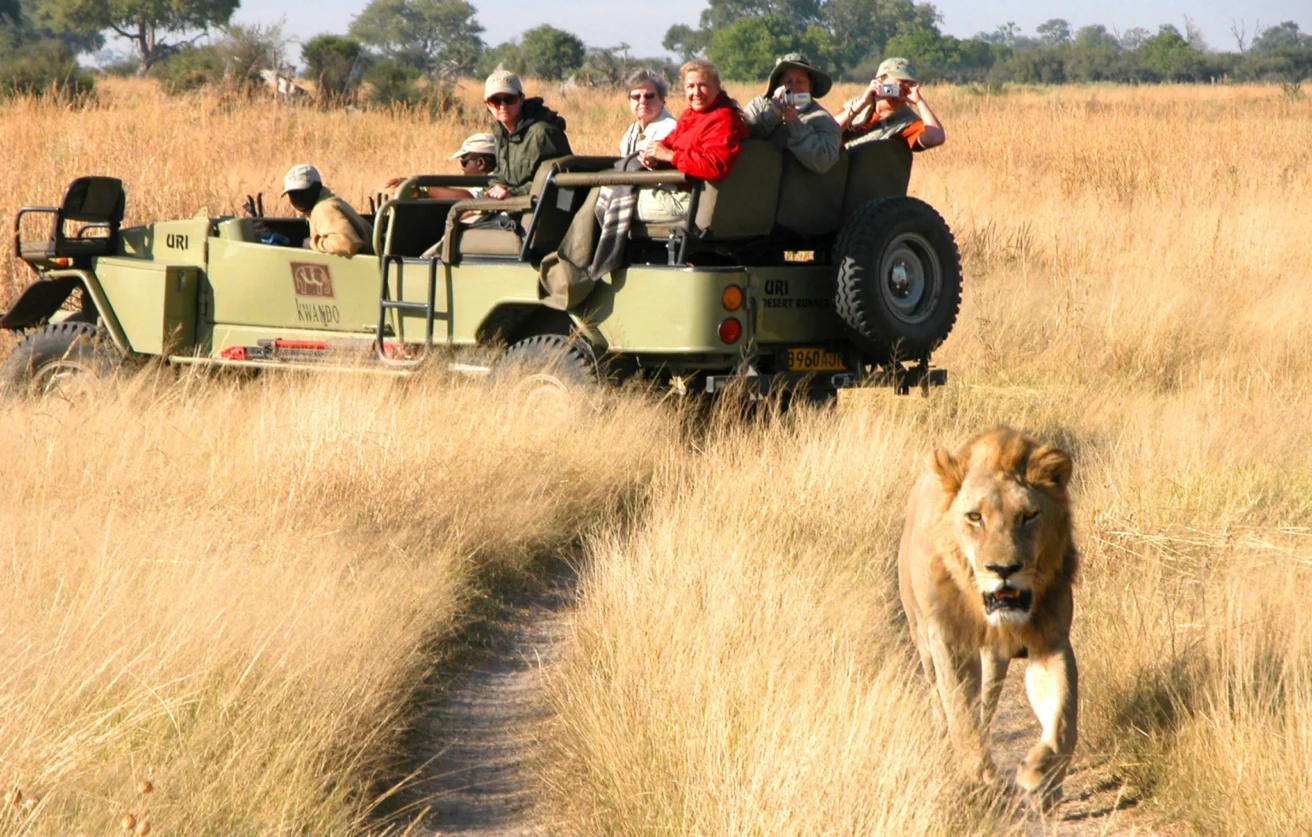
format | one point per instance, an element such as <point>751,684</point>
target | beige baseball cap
<point>476,144</point>
<point>300,177</point>
<point>898,68</point>
<point>502,81</point>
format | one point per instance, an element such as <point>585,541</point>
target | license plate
<point>815,360</point>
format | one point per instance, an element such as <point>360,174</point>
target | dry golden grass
<point>239,586</point>
<point>235,591</point>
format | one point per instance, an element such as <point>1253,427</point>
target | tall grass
<point>233,589</point>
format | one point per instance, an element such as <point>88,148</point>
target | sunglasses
<point>638,97</point>
<point>502,101</point>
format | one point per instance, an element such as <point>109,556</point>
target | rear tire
<point>66,358</point>
<point>548,371</point>
<point>899,279</point>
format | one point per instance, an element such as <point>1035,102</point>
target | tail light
<point>731,330</point>
<point>732,298</point>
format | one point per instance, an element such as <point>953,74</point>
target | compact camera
<point>797,100</point>
<point>889,90</point>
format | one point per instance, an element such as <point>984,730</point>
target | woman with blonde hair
<point>704,143</point>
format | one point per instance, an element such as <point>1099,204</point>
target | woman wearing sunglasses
<point>647,101</point>
<point>527,132</point>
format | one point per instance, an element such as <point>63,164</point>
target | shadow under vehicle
<point>777,278</point>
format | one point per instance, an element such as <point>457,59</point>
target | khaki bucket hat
<point>820,80</point>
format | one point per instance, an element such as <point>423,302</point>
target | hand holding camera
<point>789,103</point>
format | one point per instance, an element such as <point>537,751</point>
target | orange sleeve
<point>912,132</point>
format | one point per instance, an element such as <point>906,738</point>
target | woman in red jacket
<point>704,144</point>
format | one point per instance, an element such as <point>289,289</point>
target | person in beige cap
<point>477,156</point>
<point>788,114</point>
<point>526,131</point>
<point>879,113</point>
<point>335,227</point>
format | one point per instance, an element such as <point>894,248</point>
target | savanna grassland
<point>235,590</point>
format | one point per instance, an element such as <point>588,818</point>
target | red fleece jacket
<point>705,144</point>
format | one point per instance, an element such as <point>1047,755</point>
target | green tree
<point>550,52</point>
<point>507,55</point>
<point>1283,35</point>
<point>334,61</point>
<point>1134,37</point>
<point>686,42</point>
<point>721,14</point>
<point>424,34</point>
<point>1054,32</point>
<point>145,23</point>
<point>1096,36</point>
<point>1169,55</point>
<point>861,29</point>
<point>748,48</point>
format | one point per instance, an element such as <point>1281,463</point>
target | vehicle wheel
<point>65,358</point>
<point>548,372</point>
<point>899,278</point>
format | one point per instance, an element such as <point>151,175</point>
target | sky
<point>642,25</point>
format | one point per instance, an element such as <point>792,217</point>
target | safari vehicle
<point>778,277</point>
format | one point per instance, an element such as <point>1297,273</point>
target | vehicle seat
<point>296,230</point>
<point>98,202</point>
<point>742,205</point>
<point>877,169</point>
<point>810,203</point>
<point>553,207</point>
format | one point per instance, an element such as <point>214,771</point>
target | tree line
<point>399,48</point>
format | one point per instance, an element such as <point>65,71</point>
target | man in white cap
<point>335,227</point>
<point>477,156</point>
<point>892,106</point>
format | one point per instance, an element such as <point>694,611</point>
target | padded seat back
<point>555,208</point>
<point>810,203</point>
<point>94,200</point>
<point>742,205</point>
<point>877,169</point>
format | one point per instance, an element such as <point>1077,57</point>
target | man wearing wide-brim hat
<point>892,106</point>
<point>789,115</point>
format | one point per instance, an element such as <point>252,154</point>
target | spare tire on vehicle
<point>899,279</point>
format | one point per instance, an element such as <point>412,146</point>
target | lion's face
<point>1009,517</point>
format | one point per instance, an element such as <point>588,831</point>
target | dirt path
<point>1095,802</point>
<point>477,739</point>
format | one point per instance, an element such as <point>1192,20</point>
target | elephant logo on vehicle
<point>312,279</point>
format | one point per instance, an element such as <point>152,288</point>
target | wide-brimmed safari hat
<point>898,68</point>
<point>300,177</point>
<point>477,144</point>
<point>502,81</point>
<point>820,80</point>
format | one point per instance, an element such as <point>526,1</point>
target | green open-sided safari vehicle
<point>779,277</point>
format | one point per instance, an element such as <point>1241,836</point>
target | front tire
<point>67,358</point>
<point>899,279</point>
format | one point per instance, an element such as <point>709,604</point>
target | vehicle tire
<point>548,371</point>
<point>899,278</point>
<point>66,358</point>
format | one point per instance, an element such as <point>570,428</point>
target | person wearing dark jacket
<point>527,132</point>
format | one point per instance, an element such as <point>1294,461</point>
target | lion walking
<point>985,571</point>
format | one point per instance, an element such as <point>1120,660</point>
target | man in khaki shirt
<point>335,227</point>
